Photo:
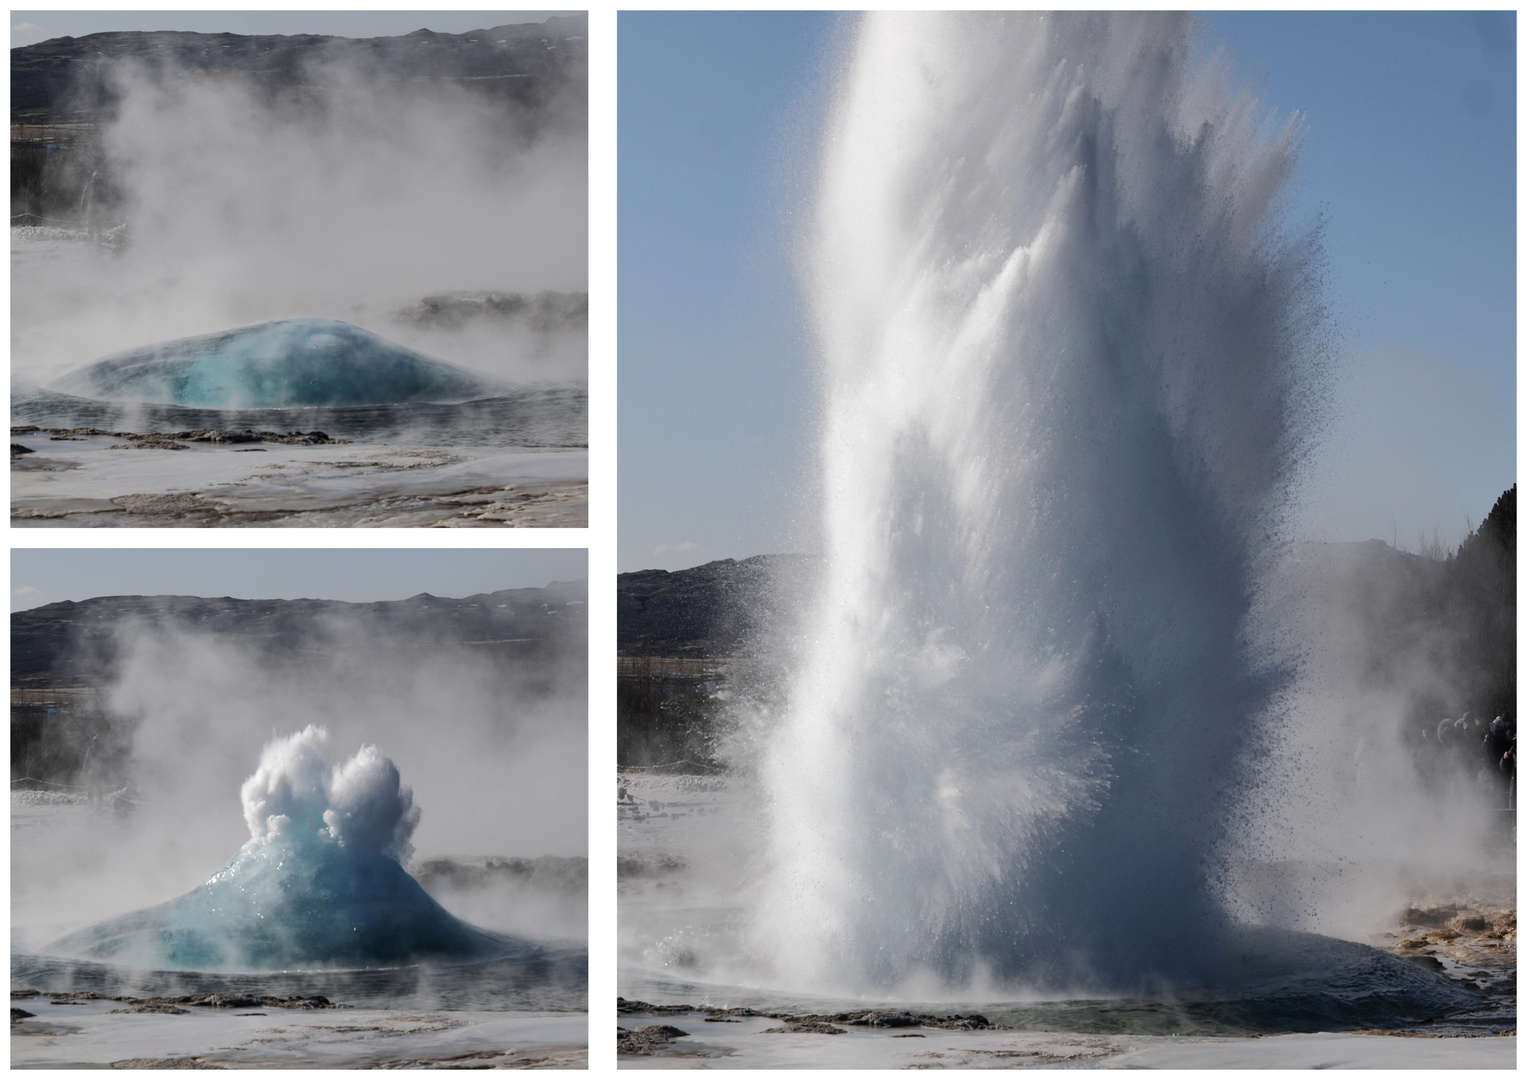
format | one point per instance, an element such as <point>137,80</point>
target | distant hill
<point>715,610</point>
<point>64,80</point>
<point>66,657</point>
<point>65,93</point>
<point>77,644</point>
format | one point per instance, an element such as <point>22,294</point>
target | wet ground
<point>105,480</point>
<point>75,1033</point>
<point>679,926</point>
<point>698,1041</point>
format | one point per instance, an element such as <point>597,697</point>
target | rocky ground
<point>1466,932</point>
<point>1471,941</point>
<point>89,1031</point>
<point>697,1039</point>
<point>92,478</point>
<point>169,440</point>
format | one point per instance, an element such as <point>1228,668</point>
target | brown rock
<point>646,1040</point>
<point>1432,916</point>
<point>805,1027</point>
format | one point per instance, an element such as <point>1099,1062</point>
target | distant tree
<point>1481,582</point>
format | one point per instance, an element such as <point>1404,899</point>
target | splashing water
<point>275,365</point>
<point>1066,357</point>
<point>320,883</point>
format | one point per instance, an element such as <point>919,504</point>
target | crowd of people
<point>1487,751</point>
<point>1499,748</point>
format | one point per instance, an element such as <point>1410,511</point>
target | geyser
<point>320,883</point>
<point>1067,356</point>
<point>281,364</point>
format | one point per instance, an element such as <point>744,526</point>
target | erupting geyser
<point>1068,360</point>
<point>275,365</point>
<point>319,884</point>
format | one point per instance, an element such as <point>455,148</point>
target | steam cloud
<point>355,201</point>
<point>488,747</point>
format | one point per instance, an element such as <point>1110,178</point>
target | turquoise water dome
<point>288,363</point>
<point>298,903</point>
<point>319,884</point>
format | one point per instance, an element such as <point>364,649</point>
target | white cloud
<point>686,548</point>
<point>678,556</point>
<point>27,597</point>
<point>27,34</point>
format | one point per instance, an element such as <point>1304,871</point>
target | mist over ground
<point>325,178</point>
<point>154,711</point>
<point>1355,808</point>
<point>1382,781</point>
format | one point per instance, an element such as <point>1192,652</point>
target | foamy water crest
<point>1066,357</point>
<point>361,803</point>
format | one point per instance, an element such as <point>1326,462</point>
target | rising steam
<point>356,199</point>
<point>486,744</point>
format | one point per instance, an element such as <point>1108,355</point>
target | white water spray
<point>361,803</point>
<point>1066,358</point>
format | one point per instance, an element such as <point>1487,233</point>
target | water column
<point>1063,349</point>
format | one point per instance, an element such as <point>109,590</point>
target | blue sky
<point>1409,156</point>
<point>30,27</point>
<point>714,110</point>
<point>44,575</point>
